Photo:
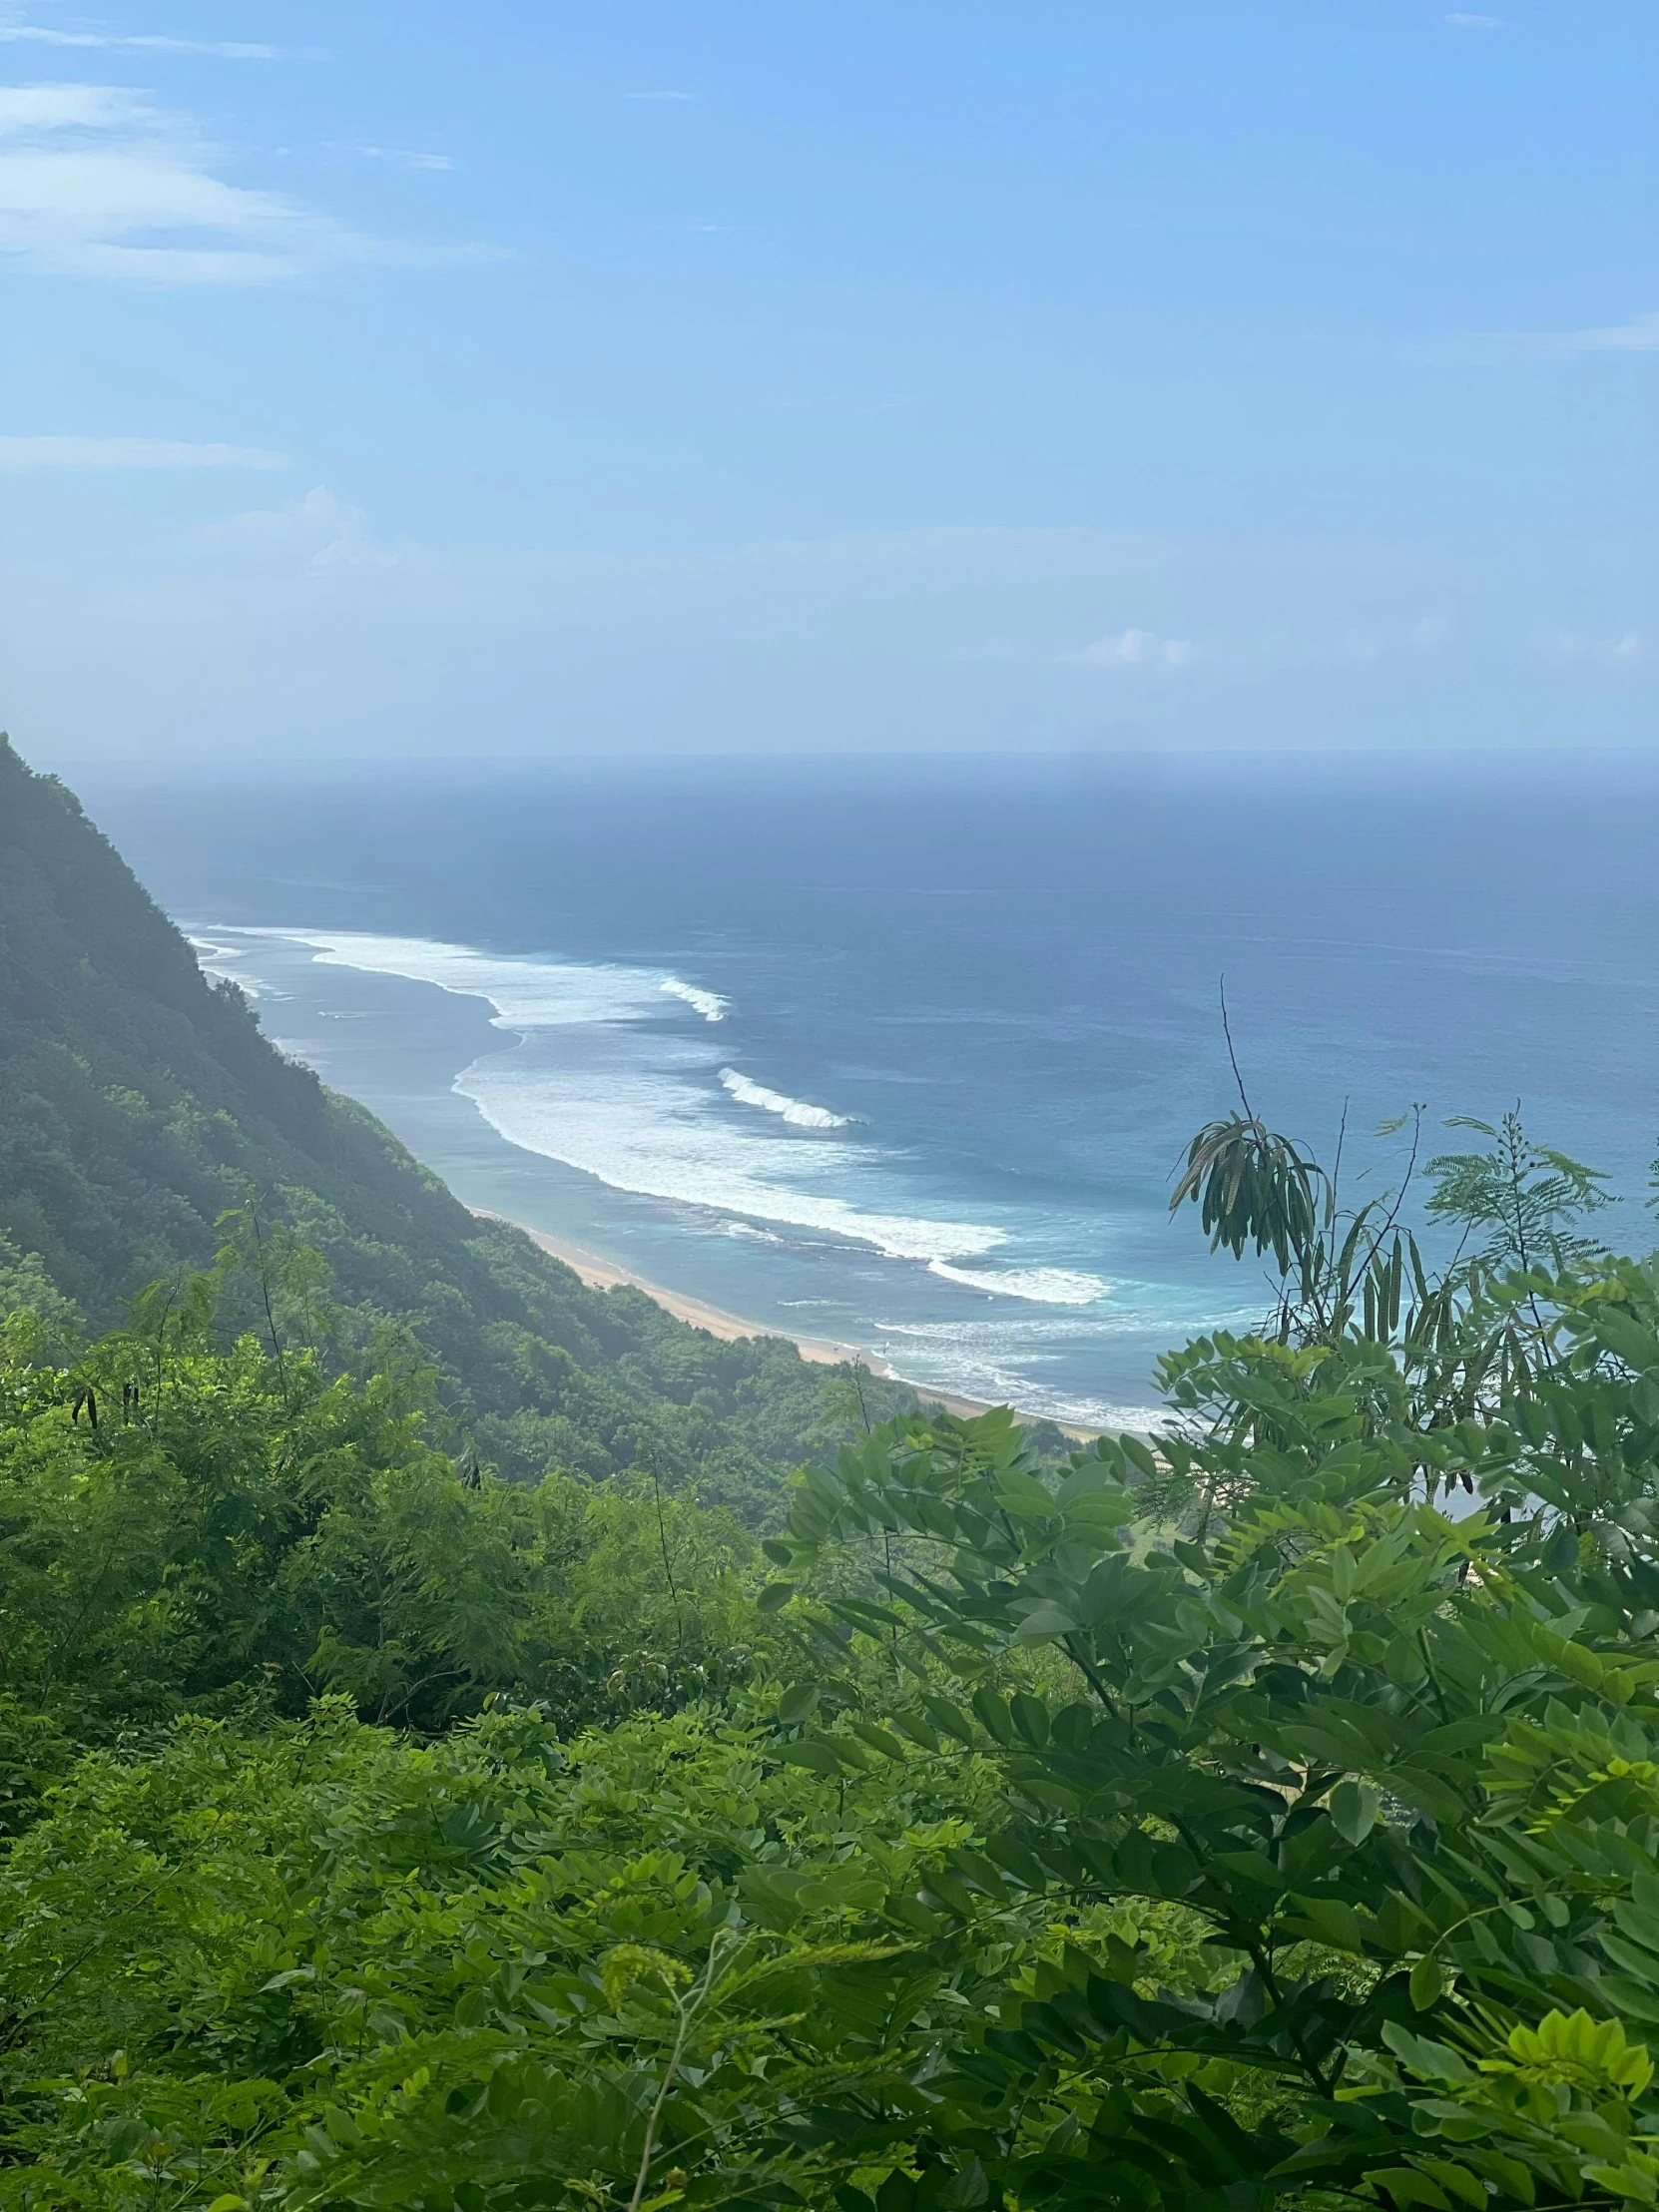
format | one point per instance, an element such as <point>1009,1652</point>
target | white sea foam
<point>709,1004</point>
<point>1000,1361</point>
<point>623,1109</point>
<point>214,958</point>
<point>528,994</point>
<point>1041,1286</point>
<point>1069,1411</point>
<point>652,1134</point>
<point>994,1384</point>
<point>601,1070</point>
<point>795,1111</point>
<point>634,1112</point>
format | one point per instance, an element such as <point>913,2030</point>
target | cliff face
<point>138,1100</point>
<point>135,1098</point>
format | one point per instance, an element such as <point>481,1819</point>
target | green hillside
<point>138,1101</point>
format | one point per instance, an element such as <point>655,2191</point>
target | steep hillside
<point>138,1100</point>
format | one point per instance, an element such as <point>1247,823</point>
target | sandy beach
<point>601,1273</point>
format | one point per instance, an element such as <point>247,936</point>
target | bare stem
<point>668,1563</point>
<point>687,2008</point>
<point>1226,1032</point>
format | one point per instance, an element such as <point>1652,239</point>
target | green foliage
<point>1403,1770</point>
<point>1252,1186</point>
<point>185,1528</point>
<point>324,1965</point>
<point>1519,1200</point>
<point>1395,1766</point>
<point>1209,1825</point>
<point>139,1103</point>
<point>1460,1340</point>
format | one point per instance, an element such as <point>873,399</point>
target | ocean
<point>904,1053</point>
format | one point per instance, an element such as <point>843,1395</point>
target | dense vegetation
<point>189,1526</point>
<point>138,1101</point>
<point>1272,1814</point>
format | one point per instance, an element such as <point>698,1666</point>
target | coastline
<point>600,1274</point>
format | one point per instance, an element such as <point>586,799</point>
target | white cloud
<point>1573,645</point>
<point>1138,648</point>
<point>1462,22</point>
<point>235,50</point>
<point>34,110</point>
<point>401,160</point>
<point>1639,336</point>
<point>322,528</point>
<point>97,182</point>
<point>346,539</point>
<point>99,453</point>
<point>1232,650</point>
<point>308,630</point>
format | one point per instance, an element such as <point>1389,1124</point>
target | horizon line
<point>617,756</point>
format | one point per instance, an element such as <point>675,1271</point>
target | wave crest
<point>527,993</point>
<point>795,1111</point>
<point>1041,1286</point>
<point>709,1004</point>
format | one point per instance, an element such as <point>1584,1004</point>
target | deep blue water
<point>985,991</point>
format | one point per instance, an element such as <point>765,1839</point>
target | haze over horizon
<point>837,378</point>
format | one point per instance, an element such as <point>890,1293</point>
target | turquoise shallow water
<point>904,1053</point>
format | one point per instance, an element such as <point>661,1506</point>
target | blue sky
<point>825,375</point>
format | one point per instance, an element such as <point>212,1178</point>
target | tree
<point>1395,1772</point>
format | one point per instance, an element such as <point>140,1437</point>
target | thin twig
<point>668,1564</point>
<point>687,2008</point>
<point>1226,1032</point>
<point>1393,1214</point>
<point>858,1391</point>
<point>253,1213</point>
<point>1337,1168</point>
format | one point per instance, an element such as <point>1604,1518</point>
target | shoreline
<point>601,1273</point>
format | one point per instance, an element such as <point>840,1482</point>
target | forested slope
<point>138,1101</point>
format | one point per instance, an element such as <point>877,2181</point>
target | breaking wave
<point>653,1135</point>
<point>1041,1286</point>
<point>709,1004</point>
<point>527,993</point>
<point>795,1111</point>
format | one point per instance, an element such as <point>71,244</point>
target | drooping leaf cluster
<point>1252,1186</point>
